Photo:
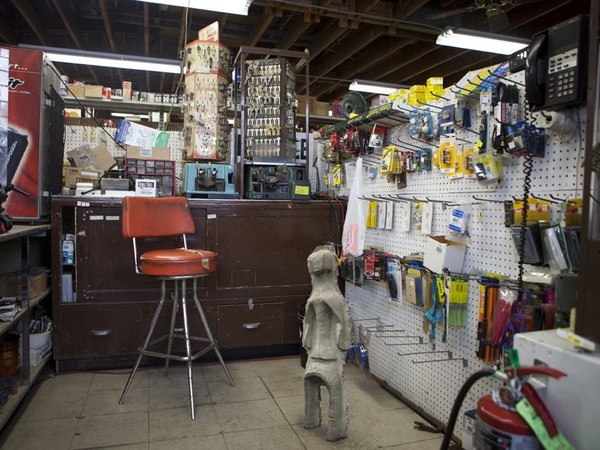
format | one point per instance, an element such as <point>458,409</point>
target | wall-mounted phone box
<point>556,65</point>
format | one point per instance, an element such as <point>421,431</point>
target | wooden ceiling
<point>384,40</point>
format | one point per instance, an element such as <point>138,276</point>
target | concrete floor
<point>264,411</point>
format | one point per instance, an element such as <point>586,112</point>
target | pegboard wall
<point>79,132</point>
<point>399,350</point>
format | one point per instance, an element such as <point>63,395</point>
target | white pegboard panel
<point>433,386</point>
<point>92,135</point>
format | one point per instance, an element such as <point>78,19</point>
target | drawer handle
<point>251,326</point>
<point>100,332</point>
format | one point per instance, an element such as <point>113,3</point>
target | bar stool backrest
<point>150,217</point>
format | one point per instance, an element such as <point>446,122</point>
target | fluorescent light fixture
<point>69,56</point>
<point>480,41</point>
<point>239,7</point>
<point>132,116</point>
<point>373,87</point>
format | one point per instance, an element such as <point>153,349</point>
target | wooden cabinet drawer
<point>86,331</point>
<point>240,326</point>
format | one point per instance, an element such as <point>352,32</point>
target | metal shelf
<point>13,400</point>
<point>391,114</point>
<point>122,106</point>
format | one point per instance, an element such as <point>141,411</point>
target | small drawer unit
<point>162,171</point>
<point>243,326</point>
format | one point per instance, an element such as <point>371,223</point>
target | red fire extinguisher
<point>499,425</point>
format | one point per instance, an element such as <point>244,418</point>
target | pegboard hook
<point>502,78</point>
<point>427,104</point>
<point>438,96</point>
<point>487,200</point>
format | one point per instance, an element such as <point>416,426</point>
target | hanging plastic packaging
<point>355,227</point>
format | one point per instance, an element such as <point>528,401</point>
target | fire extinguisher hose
<point>459,401</point>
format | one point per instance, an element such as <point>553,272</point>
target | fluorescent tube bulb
<point>373,87</point>
<point>239,7</point>
<point>119,63</point>
<point>483,42</point>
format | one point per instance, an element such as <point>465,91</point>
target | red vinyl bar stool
<point>161,217</point>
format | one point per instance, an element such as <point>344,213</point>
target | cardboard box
<point>441,254</point>
<point>127,90</point>
<point>302,104</point>
<point>162,153</point>
<point>74,174</point>
<point>10,285</point>
<point>77,90</point>
<point>91,158</point>
<point>93,91</point>
<point>320,108</point>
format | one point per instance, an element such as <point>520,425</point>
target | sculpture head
<point>322,260</point>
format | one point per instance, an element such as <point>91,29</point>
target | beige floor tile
<point>285,386</point>
<point>250,415</point>
<point>276,438</point>
<point>238,371</point>
<point>366,396</point>
<point>111,381</point>
<point>110,430</point>
<point>244,390</point>
<point>394,427</point>
<point>177,374</point>
<point>66,383</point>
<point>292,408</point>
<point>107,402</point>
<point>54,405</point>
<point>176,393</point>
<point>428,444</point>
<point>352,372</point>
<point>280,367</point>
<point>143,446</point>
<point>214,442</point>
<point>42,435</point>
<point>176,423</point>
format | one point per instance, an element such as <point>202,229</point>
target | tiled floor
<point>263,411</point>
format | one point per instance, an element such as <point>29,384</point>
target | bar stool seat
<point>163,217</point>
<point>178,262</point>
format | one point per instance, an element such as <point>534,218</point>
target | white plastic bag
<point>355,227</point>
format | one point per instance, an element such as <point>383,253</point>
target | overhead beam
<point>293,32</point>
<point>363,13</point>
<point>267,18</point>
<point>365,7</point>
<point>350,47</point>
<point>6,33</point>
<point>362,62</point>
<point>109,33</point>
<point>147,40</point>
<point>68,19</point>
<point>34,22</point>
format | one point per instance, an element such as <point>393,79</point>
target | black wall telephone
<point>555,70</point>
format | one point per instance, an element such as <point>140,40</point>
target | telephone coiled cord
<point>527,170</point>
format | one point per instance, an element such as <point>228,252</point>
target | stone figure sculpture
<point>326,337</point>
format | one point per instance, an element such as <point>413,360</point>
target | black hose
<point>458,404</point>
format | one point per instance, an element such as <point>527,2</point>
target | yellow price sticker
<point>302,190</point>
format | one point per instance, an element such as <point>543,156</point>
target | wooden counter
<point>261,278</point>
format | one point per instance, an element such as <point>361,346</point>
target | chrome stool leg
<point>172,328</point>
<point>163,290</point>
<point>213,343</point>
<point>188,349</point>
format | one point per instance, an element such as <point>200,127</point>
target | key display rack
<point>266,85</point>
